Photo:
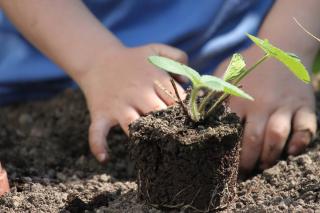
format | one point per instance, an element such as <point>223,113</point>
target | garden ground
<point>44,148</point>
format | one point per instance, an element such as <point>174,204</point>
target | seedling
<point>220,89</point>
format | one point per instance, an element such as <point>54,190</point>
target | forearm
<point>65,31</point>
<point>280,28</point>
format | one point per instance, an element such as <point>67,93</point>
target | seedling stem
<point>236,82</point>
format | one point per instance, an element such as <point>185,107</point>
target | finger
<point>4,183</point>
<point>276,136</point>
<point>304,129</point>
<point>170,98</point>
<point>98,132</point>
<point>252,142</point>
<point>170,52</point>
<point>127,117</point>
<point>151,102</point>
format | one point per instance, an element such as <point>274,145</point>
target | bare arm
<point>65,31</point>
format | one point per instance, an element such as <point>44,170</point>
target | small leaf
<point>176,68</point>
<point>292,62</point>
<point>235,68</point>
<point>218,84</point>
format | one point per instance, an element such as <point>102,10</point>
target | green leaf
<point>218,84</point>
<point>176,68</point>
<point>235,68</point>
<point>291,61</point>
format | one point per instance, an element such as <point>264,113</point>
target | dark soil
<point>183,164</point>
<point>44,149</point>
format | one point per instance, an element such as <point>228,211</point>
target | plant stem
<point>205,101</point>
<point>167,92</point>
<point>266,56</point>
<point>193,104</point>
<point>217,103</point>
<point>178,96</point>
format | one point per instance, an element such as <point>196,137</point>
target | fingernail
<point>292,150</point>
<point>101,157</point>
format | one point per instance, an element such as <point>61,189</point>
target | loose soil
<point>183,164</point>
<point>44,148</point>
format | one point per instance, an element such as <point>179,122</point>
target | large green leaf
<point>176,68</point>
<point>288,59</point>
<point>218,84</point>
<point>235,68</point>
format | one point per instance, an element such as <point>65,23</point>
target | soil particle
<point>54,140</point>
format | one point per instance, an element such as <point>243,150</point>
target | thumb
<point>98,131</point>
<point>170,52</point>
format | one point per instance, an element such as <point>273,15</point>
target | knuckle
<point>155,47</point>
<point>254,138</point>
<point>279,132</point>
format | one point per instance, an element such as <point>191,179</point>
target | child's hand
<point>282,117</point>
<point>120,87</point>
<point>118,82</point>
<point>282,105</point>
<point>283,113</point>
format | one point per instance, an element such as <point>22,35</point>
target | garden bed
<point>44,148</point>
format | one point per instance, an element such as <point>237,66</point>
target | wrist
<point>102,61</point>
<point>85,66</point>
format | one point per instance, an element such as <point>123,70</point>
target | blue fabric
<point>207,30</point>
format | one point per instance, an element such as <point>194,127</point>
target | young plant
<point>220,89</point>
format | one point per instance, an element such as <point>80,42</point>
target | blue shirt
<point>208,30</point>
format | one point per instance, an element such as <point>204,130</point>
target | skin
<point>283,104</point>
<point>118,82</point>
<point>4,184</point>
